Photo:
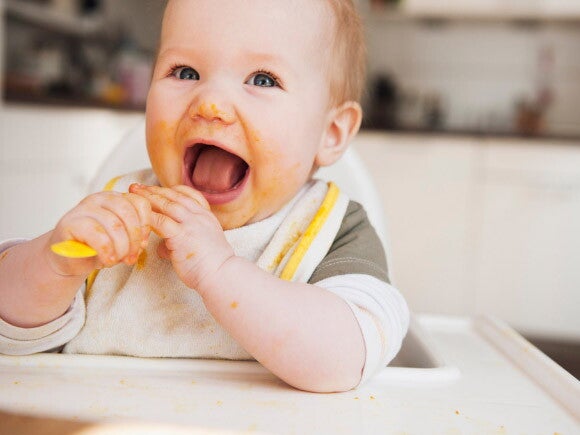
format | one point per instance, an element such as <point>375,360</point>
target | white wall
<point>47,158</point>
<point>480,68</point>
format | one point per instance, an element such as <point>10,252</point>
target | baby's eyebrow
<point>174,52</point>
<point>266,59</point>
<point>261,56</point>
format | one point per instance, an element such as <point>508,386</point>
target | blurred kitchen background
<point>472,132</point>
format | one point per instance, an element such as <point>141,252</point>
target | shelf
<point>431,11</point>
<point>539,138</point>
<point>42,17</point>
<point>68,102</point>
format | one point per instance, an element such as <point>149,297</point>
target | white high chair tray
<point>453,376</point>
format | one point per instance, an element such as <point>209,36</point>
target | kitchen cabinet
<point>529,252</point>
<point>426,186</point>
<point>483,226</point>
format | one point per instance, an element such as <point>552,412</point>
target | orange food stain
<point>190,255</point>
<point>4,255</point>
<point>293,239</point>
<point>136,232</point>
<point>162,152</point>
<point>142,260</point>
<point>234,305</point>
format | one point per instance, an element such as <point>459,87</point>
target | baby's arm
<point>38,286</point>
<point>307,336</point>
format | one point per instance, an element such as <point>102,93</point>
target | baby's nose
<point>212,112</point>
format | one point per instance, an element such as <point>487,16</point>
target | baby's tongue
<point>217,170</point>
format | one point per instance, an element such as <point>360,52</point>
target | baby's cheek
<point>163,154</point>
<point>284,182</point>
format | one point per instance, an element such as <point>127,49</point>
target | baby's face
<point>238,106</point>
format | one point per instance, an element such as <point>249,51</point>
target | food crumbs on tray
<point>142,260</point>
<point>16,382</point>
<point>372,397</point>
<point>219,403</point>
<point>234,305</point>
<point>356,398</point>
<point>456,412</point>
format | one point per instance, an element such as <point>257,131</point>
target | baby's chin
<point>230,219</point>
<point>233,220</point>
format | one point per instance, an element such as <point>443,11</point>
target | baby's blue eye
<point>185,73</point>
<point>262,79</point>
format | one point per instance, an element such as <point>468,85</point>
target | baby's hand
<point>116,225</point>
<point>193,238</point>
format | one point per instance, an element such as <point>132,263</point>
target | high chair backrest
<point>349,173</point>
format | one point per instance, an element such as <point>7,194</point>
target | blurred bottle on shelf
<point>384,103</point>
<point>433,112</point>
<point>531,112</point>
<point>382,5</point>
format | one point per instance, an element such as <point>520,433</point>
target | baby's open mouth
<point>214,170</point>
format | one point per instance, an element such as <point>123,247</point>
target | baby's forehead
<point>319,14</point>
<point>267,26</point>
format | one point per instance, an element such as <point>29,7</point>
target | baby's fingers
<point>124,225</point>
<point>90,231</point>
<point>143,228</point>
<point>164,226</point>
<point>169,202</point>
<point>193,195</point>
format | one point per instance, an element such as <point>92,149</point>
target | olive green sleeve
<point>356,249</point>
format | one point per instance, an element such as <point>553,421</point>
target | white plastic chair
<point>349,173</point>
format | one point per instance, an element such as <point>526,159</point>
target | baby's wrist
<point>213,281</point>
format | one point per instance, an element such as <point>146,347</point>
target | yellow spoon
<point>73,249</point>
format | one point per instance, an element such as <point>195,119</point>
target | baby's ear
<point>342,124</point>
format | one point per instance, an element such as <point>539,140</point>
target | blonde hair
<point>347,67</point>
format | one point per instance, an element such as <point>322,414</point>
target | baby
<point>228,248</point>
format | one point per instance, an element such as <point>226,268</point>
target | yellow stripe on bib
<point>311,232</point>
